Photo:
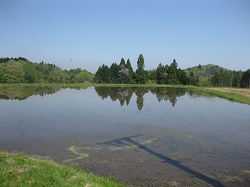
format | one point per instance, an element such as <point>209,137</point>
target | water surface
<point>144,136</point>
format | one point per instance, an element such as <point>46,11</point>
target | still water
<point>142,136</point>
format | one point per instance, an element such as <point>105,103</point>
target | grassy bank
<point>235,97</point>
<point>19,170</point>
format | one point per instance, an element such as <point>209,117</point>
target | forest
<point>21,70</point>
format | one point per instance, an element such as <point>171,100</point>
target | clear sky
<point>96,32</point>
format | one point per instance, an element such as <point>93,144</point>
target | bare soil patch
<point>245,92</point>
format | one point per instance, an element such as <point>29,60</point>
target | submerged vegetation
<point>19,170</point>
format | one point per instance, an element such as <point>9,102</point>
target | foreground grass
<point>19,170</point>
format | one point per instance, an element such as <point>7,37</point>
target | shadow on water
<point>129,140</point>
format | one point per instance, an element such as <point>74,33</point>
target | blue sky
<point>96,32</point>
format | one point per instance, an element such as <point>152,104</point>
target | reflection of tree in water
<point>162,94</point>
<point>103,92</point>
<point>122,94</point>
<point>168,94</point>
<point>139,92</point>
<point>195,94</point>
<point>21,92</point>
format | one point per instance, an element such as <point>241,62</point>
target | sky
<point>96,32</point>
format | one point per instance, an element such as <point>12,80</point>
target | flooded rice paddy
<point>142,136</point>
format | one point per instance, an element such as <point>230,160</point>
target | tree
<point>122,62</point>
<point>140,72</point>
<point>182,76</point>
<point>114,77</point>
<point>153,76</point>
<point>83,76</point>
<point>128,65</point>
<point>30,72</point>
<point>124,72</point>
<point>245,80</point>
<point>172,73</point>
<point>193,80</point>
<point>161,74</point>
<point>103,74</point>
<point>3,77</point>
<point>237,75</point>
<point>14,72</point>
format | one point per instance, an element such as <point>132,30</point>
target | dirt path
<point>245,92</point>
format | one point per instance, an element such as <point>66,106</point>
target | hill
<point>206,72</point>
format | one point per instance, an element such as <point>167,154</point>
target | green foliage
<point>193,80</point>
<point>161,74</point>
<point>20,70</point>
<point>122,63</point>
<point>128,65</point>
<point>30,72</point>
<point>171,75</point>
<point>140,72</point>
<point>3,77</point>
<point>14,72</point>
<point>5,60</point>
<point>114,68</point>
<point>213,75</point>
<point>245,80</point>
<point>227,78</point>
<point>117,74</point>
<point>103,74</point>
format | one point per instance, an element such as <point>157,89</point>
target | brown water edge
<point>245,92</point>
<point>163,158</point>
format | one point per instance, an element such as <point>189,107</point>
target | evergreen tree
<point>172,73</point>
<point>161,74</point>
<point>182,76</point>
<point>128,65</point>
<point>122,62</point>
<point>237,75</point>
<point>114,68</point>
<point>245,80</point>
<point>140,72</point>
<point>152,76</point>
<point>103,74</point>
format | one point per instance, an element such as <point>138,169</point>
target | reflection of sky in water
<point>199,135</point>
<point>81,113</point>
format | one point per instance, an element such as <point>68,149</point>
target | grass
<point>19,170</point>
<point>235,97</point>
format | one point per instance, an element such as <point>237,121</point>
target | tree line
<point>163,74</point>
<point>21,70</point>
<point>227,78</point>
